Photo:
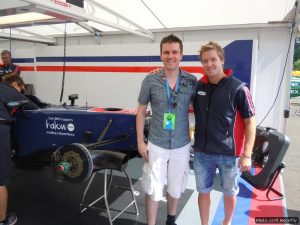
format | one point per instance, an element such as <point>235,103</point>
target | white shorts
<point>166,167</point>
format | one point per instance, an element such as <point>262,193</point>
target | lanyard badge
<point>169,120</point>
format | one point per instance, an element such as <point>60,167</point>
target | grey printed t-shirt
<point>154,91</point>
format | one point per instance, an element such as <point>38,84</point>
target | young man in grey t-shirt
<point>167,153</point>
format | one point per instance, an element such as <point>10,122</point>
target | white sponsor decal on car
<point>59,126</point>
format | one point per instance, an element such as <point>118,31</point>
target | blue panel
<point>238,56</point>
<point>191,58</point>
<point>112,59</point>
<point>23,60</point>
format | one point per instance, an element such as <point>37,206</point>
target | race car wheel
<point>72,163</point>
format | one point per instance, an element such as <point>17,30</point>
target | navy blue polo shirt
<point>9,69</point>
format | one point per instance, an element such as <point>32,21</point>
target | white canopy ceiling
<point>138,16</point>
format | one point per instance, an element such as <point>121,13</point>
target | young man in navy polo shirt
<point>224,132</point>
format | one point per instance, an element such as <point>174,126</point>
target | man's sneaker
<point>11,219</point>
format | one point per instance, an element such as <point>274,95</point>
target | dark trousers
<point>5,155</point>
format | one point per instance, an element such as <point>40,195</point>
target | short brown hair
<point>171,39</point>
<point>212,46</point>
<point>14,78</point>
<point>4,52</point>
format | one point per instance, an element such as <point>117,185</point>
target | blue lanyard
<point>171,97</point>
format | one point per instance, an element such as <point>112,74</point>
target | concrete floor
<point>291,174</point>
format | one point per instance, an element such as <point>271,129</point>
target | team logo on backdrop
<point>59,126</point>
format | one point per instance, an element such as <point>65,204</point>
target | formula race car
<point>80,140</point>
<point>67,134</point>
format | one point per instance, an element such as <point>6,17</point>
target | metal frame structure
<point>66,12</point>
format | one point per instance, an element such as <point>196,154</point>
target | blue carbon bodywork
<point>50,128</point>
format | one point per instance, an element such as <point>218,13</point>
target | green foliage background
<point>296,65</point>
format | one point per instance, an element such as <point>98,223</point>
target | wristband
<point>245,156</point>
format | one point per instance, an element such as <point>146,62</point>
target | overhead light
<point>37,39</point>
<point>23,18</point>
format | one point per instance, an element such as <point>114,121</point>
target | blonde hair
<point>212,46</point>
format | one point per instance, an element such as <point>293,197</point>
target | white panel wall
<point>97,88</point>
<point>272,53</point>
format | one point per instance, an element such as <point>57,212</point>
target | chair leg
<point>110,180</point>
<point>105,196</point>
<point>106,188</point>
<point>85,192</point>
<point>132,193</point>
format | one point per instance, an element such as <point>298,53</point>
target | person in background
<point>16,82</point>
<point>8,68</point>
<point>9,91</point>
<point>168,150</point>
<point>224,132</point>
